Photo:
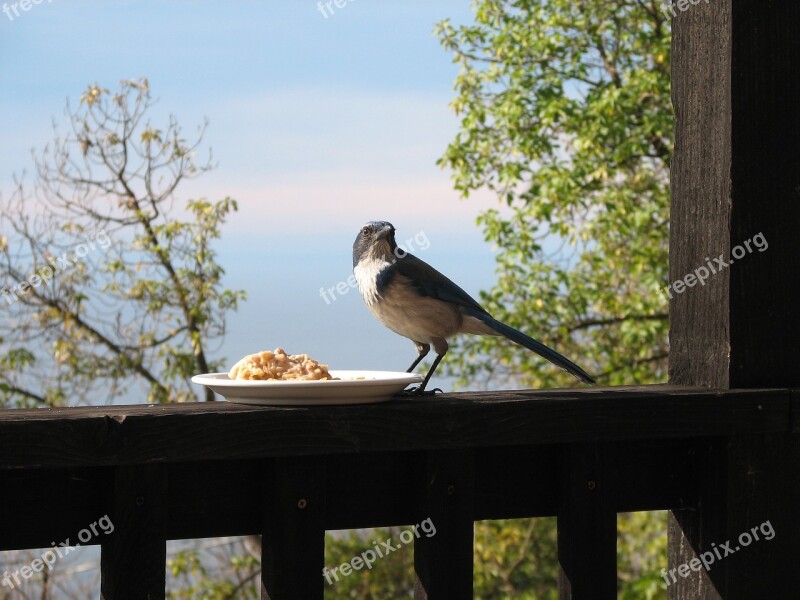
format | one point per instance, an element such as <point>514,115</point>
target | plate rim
<point>309,392</point>
<point>210,379</point>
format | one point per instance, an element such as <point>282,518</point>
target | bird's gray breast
<point>395,302</point>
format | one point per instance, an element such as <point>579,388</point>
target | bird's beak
<point>384,232</point>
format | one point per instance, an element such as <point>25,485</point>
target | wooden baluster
<point>293,543</point>
<point>133,556</point>
<point>443,561</point>
<point>587,524</point>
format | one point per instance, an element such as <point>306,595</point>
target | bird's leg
<point>440,346</point>
<point>422,351</point>
<point>421,388</point>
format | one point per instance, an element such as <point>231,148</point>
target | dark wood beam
<point>444,534</point>
<point>74,437</point>
<point>293,541</point>
<point>364,490</point>
<point>587,524</point>
<point>133,557</point>
<point>736,204</point>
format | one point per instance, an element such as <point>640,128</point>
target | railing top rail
<point>138,434</point>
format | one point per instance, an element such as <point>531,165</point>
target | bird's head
<point>375,240</point>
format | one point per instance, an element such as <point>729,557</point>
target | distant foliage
<point>641,554</point>
<point>516,559</point>
<point>390,577</point>
<point>565,114</point>
<point>105,282</point>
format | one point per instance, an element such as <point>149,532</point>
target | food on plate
<point>279,365</point>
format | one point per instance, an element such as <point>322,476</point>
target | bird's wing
<point>427,281</point>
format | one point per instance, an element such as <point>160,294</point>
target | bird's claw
<point>416,391</point>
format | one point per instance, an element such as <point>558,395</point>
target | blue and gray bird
<point>414,300</point>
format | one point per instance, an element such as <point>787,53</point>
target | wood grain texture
<point>443,560</point>
<point>700,193</point>
<point>736,174</point>
<point>587,524</point>
<point>71,437</point>
<point>765,192</point>
<point>220,498</point>
<point>693,530</point>
<point>293,542</point>
<point>133,556</point>
<point>42,507</point>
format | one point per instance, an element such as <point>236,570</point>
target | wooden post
<point>443,561</point>
<point>133,556</point>
<point>293,542</point>
<point>735,212</point>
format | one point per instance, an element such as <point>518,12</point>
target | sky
<point>318,122</point>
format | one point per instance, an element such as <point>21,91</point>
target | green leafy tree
<point>641,554</point>
<point>104,283</point>
<point>224,570</point>
<point>391,576</point>
<point>565,114</point>
<point>516,559</point>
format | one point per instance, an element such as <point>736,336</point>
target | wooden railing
<point>213,469</point>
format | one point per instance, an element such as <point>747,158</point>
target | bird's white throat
<point>366,272</point>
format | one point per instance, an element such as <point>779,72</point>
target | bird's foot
<point>416,391</point>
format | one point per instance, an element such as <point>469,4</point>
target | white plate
<point>376,386</point>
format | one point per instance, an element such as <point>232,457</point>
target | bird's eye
<point>365,231</point>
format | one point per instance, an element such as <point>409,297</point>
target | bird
<point>416,301</point>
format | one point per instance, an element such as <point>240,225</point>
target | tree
<point>565,114</point>
<point>223,569</point>
<point>516,559</point>
<point>103,284</point>
<point>390,576</point>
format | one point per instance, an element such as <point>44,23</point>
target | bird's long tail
<point>532,344</point>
